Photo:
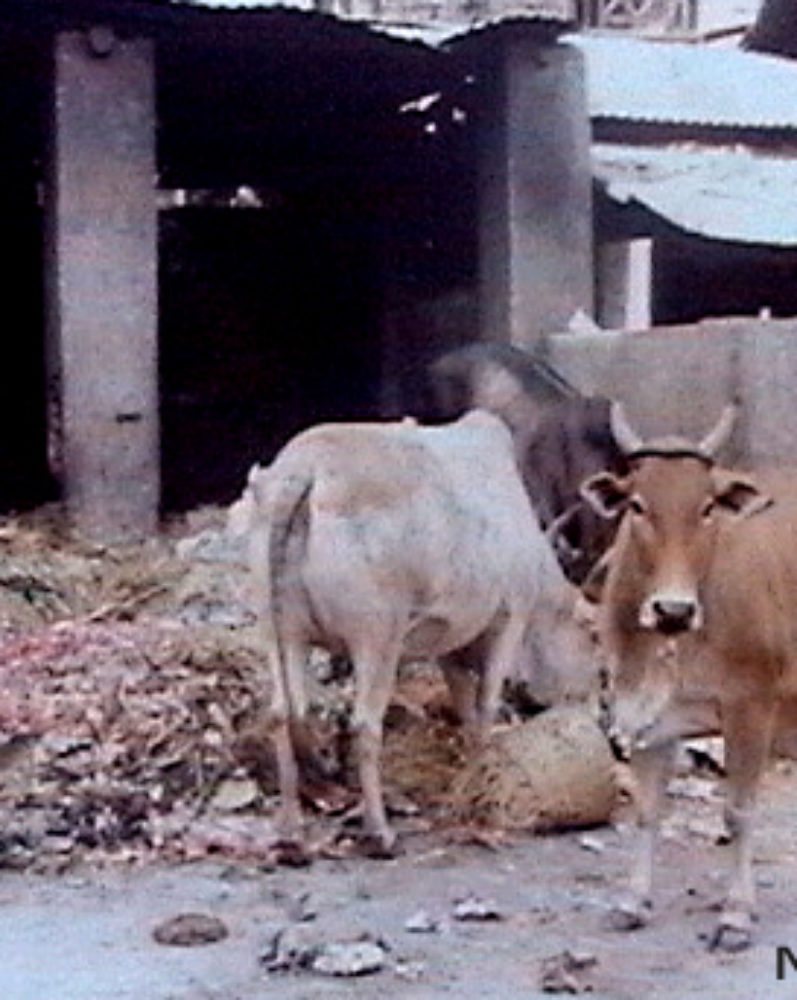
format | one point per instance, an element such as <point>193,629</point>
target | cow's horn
<point>717,437</point>
<point>626,437</point>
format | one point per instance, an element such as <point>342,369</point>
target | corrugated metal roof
<point>680,83</point>
<point>431,22</point>
<point>554,10</point>
<point>439,33</point>
<point>236,4</point>
<point>725,195</point>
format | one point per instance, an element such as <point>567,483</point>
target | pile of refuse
<point>132,695</point>
<point>125,675</point>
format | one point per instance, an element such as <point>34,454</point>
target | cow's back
<point>431,522</point>
<point>479,484</point>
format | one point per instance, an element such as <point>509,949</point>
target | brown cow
<point>560,436</point>
<point>388,542</point>
<point>698,622</point>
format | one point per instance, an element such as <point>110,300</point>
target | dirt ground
<point>88,934</point>
<point>132,805</point>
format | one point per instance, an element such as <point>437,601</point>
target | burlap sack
<point>552,772</point>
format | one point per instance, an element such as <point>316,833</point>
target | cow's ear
<point>605,493</point>
<point>739,494</point>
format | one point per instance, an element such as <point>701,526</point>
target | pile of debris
<point>191,574</point>
<point>115,726</point>
<point>125,674</point>
<point>132,695</point>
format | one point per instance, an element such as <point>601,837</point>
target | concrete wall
<point>677,379</point>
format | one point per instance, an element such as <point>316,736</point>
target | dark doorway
<point>269,324</point>
<point>272,318</point>
<point>695,278</point>
<point>24,480</point>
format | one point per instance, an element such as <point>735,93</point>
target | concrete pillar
<point>101,281</point>
<point>535,227</point>
<point>624,275</point>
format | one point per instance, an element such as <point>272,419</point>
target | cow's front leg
<point>503,648</point>
<point>375,670</point>
<point>463,688</point>
<point>748,728</point>
<point>651,769</point>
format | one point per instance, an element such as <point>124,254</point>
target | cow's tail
<point>279,514</point>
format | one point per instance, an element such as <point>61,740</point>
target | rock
<point>409,971</point>
<point>62,745</point>
<point>15,857</point>
<point>563,973</point>
<point>473,908</point>
<point>421,923</point>
<point>293,947</point>
<point>590,843</point>
<point>301,946</point>
<point>235,794</point>
<point>710,827</point>
<point>304,908</point>
<point>190,929</point>
<point>55,844</point>
<point>350,958</point>
<point>401,806</point>
<point>692,787</point>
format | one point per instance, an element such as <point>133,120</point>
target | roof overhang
<point>729,195</point>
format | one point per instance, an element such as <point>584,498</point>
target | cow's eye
<point>636,505</point>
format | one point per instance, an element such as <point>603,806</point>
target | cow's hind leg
<point>651,769</point>
<point>748,728</point>
<point>288,719</point>
<point>375,670</point>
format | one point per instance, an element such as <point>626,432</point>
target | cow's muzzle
<point>671,614</point>
<point>674,616</point>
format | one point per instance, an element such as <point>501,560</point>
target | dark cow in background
<point>698,619</point>
<point>561,437</point>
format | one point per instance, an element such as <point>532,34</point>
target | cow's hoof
<point>734,932</point>
<point>381,848</point>
<point>289,825</point>
<point>630,915</point>
<point>291,853</point>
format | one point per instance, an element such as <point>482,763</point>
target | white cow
<point>389,542</point>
